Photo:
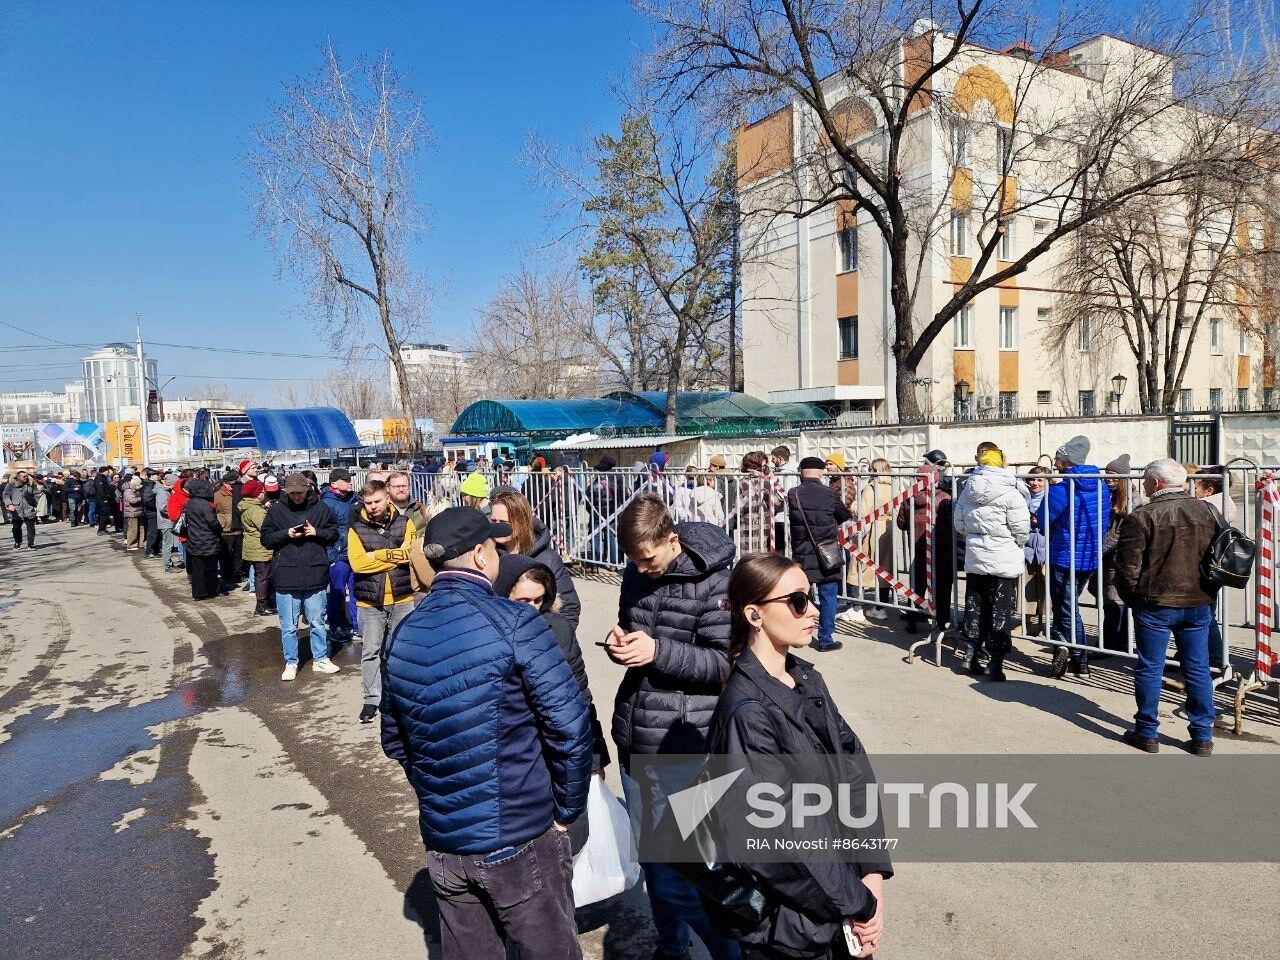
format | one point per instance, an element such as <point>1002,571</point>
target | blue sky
<point>120,163</point>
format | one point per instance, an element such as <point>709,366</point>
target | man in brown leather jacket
<point>1158,575</point>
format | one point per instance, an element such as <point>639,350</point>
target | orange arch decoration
<point>983,83</point>
<point>852,118</point>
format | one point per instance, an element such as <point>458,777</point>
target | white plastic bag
<point>606,865</point>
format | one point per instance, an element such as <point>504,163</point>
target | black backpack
<point>1229,560</point>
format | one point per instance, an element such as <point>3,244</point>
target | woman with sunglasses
<point>775,703</point>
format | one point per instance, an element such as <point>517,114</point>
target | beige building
<point>815,296</point>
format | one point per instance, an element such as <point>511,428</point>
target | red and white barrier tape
<point>850,532</point>
<point>1270,490</point>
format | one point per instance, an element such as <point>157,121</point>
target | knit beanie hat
<point>837,459</point>
<point>1075,451</point>
<point>992,458</point>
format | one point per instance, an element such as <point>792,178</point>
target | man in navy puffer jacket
<point>492,729</point>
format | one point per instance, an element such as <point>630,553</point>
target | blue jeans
<point>1190,628</point>
<point>91,511</point>
<point>341,607</point>
<point>289,606</point>
<point>673,900</point>
<point>828,597</point>
<point>1065,597</point>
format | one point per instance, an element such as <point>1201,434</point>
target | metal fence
<point>905,556</point>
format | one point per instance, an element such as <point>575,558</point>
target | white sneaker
<point>324,666</point>
<point>877,613</point>
<point>852,615</point>
<point>290,672</point>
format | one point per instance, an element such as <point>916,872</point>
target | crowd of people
<point>468,617</point>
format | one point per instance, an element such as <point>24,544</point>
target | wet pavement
<point>164,795</point>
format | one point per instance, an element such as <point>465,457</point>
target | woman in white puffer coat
<point>991,515</point>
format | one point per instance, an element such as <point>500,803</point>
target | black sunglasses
<point>797,600</point>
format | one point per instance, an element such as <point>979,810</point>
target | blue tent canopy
<point>309,428</point>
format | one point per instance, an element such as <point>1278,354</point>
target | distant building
<point>111,383</point>
<point>42,407</point>
<point>430,364</point>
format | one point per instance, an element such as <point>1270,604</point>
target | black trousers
<point>18,523</point>
<point>990,604</point>
<point>229,558</point>
<point>203,573</point>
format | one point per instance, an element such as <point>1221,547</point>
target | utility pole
<point>142,395</point>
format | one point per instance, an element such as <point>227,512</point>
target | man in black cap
<point>479,703</point>
<point>816,512</point>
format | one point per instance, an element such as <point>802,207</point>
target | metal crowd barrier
<point>906,560</point>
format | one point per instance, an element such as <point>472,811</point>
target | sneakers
<point>852,615</point>
<point>1145,744</point>
<point>877,613</point>
<point>324,666</point>
<point>290,672</point>
<point>368,713</point>
<point>1061,659</point>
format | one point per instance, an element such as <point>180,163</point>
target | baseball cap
<point>454,531</point>
<point>340,473</point>
<point>719,461</point>
<point>297,483</point>
<point>271,483</point>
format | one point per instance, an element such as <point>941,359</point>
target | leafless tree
<point>858,90</point>
<point>529,338</point>
<point>1151,275</point>
<point>359,391</point>
<point>288,396</point>
<point>335,170</point>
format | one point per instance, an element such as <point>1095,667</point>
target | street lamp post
<point>1117,390</point>
<point>962,400</point>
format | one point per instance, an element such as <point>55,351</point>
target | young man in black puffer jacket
<point>673,637</point>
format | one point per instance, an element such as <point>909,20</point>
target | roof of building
<point>309,428</point>
<point>625,413</point>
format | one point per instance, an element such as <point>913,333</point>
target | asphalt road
<point>164,795</point>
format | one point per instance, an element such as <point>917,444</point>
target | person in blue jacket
<point>340,497</point>
<point>483,712</point>
<point>1075,513</point>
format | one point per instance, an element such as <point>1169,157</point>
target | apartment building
<point>816,309</point>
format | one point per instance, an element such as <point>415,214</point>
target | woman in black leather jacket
<point>775,703</point>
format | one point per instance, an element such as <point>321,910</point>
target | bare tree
<point>335,170</point>
<point>652,200</point>
<point>529,337</point>
<point>866,87</point>
<point>288,396</point>
<point>359,391</point>
<point>1150,275</point>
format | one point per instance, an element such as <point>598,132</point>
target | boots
<point>262,610</point>
<point>974,660</point>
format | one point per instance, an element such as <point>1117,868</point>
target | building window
<point>1004,149</point>
<point>1008,328</point>
<point>1008,404</point>
<point>1042,226</point>
<point>1087,405</point>
<point>960,144</point>
<point>1086,335</point>
<point>1215,398</point>
<point>848,239</point>
<point>1007,239</point>
<point>848,338</point>
<point>1215,336</point>
<point>1044,314</point>
<point>964,327</point>
<point>1242,343</point>
<point>959,234</point>
<point>1044,396</point>
<point>1268,398</point>
<point>1242,398</point>
<point>1185,400</point>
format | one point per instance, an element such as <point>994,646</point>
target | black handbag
<point>830,553</point>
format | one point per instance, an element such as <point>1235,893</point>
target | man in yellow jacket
<point>378,542</point>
